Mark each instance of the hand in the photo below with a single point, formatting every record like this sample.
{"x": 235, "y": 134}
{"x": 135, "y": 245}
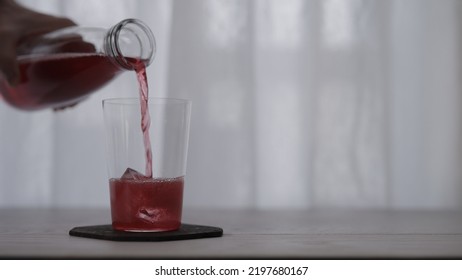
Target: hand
{"x": 17, "y": 24}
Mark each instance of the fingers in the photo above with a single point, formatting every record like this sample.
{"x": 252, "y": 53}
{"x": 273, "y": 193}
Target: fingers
{"x": 31, "y": 22}
{"x": 36, "y": 24}
{"x": 8, "y": 65}
{"x": 9, "y": 69}
{"x": 47, "y": 24}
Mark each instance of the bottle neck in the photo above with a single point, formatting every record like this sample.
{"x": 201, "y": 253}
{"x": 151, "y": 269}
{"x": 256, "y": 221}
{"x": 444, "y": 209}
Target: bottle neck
{"x": 129, "y": 42}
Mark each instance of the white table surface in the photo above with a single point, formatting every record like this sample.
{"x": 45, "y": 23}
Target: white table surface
{"x": 43, "y": 233}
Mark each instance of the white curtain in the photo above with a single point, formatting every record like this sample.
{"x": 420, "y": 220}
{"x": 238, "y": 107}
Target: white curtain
{"x": 296, "y": 104}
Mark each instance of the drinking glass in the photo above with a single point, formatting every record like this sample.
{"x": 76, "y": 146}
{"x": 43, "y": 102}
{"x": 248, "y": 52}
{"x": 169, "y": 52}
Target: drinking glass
{"x": 139, "y": 202}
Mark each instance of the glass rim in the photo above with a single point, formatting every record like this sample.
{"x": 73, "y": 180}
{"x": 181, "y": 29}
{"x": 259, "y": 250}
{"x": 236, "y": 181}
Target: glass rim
{"x": 136, "y": 100}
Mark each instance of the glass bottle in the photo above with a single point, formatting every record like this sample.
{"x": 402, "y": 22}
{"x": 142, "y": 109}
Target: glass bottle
{"x": 61, "y": 68}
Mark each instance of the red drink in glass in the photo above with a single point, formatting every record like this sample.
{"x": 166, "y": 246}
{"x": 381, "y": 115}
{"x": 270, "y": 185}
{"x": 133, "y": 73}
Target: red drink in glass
{"x": 146, "y": 204}
{"x": 141, "y": 202}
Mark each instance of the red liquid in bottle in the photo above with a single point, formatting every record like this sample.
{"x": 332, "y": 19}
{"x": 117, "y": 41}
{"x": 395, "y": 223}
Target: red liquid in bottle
{"x": 57, "y": 80}
{"x": 146, "y": 204}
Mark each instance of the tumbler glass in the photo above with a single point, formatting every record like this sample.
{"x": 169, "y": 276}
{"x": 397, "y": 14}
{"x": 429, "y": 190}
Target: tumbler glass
{"x": 140, "y": 202}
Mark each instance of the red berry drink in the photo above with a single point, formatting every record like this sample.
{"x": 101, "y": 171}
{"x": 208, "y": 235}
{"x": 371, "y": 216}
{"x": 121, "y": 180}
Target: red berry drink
{"x": 57, "y": 80}
{"x": 146, "y": 204}
{"x": 140, "y": 202}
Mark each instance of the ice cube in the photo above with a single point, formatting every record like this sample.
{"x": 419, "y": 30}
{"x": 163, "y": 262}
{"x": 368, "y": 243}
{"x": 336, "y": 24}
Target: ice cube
{"x": 133, "y": 174}
{"x": 151, "y": 215}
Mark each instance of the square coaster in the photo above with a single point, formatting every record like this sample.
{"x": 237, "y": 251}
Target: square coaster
{"x": 186, "y": 231}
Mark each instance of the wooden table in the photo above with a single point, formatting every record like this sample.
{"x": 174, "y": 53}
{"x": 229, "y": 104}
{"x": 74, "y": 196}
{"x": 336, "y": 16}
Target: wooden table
{"x": 43, "y": 233}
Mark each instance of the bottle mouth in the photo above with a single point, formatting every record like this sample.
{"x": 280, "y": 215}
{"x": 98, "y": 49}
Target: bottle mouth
{"x": 130, "y": 40}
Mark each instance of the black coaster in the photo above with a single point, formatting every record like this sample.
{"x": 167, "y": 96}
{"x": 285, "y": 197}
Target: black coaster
{"x": 186, "y": 231}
